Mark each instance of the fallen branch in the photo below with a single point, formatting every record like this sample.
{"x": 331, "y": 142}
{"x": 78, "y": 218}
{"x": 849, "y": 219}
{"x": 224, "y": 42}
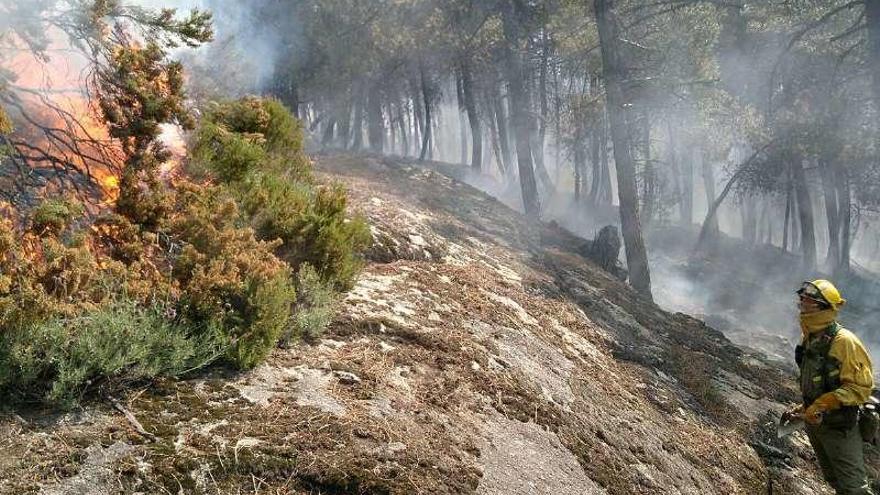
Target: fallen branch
{"x": 132, "y": 420}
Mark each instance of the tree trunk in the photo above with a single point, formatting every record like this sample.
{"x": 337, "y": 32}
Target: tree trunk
{"x": 684, "y": 178}
{"x": 832, "y": 216}
{"x": 595, "y": 145}
{"x": 327, "y": 139}
{"x": 392, "y": 128}
{"x": 844, "y": 198}
{"x": 503, "y": 134}
{"x": 872, "y": 20}
{"x": 649, "y": 179}
{"x": 418, "y": 116}
{"x": 519, "y": 108}
{"x": 495, "y": 141}
{"x": 805, "y": 213}
{"x": 375, "y": 121}
{"x": 462, "y": 128}
{"x": 606, "y": 193}
{"x": 470, "y": 103}
{"x": 750, "y": 220}
{"x": 708, "y": 172}
{"x": 540, "y": 131}
{"x": 612, "y": 67}
{"x": 426, "y": 126}
{"x": 404, "y": 133}
{"x": 580, "y": 159}
{"x": 357, "y": 126}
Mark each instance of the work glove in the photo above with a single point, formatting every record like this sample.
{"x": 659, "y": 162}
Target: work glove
{"x": 825, "y": 402}
{"x": 793, "y": 413}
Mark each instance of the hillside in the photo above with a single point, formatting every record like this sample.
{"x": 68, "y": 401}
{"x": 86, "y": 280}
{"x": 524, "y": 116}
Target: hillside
{"x": 476, "y": 354}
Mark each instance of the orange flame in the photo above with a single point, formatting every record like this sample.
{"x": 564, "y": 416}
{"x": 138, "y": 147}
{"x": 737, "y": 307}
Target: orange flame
{"x": 52, "y": 93}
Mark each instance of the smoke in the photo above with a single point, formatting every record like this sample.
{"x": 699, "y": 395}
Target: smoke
{"x": 245, "y": 52}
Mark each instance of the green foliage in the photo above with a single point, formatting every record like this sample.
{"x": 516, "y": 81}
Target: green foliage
{"x": 263, "y": 122}
{"x": 55, "y": 215}
{"x": 277, "y": 194}
{"x": 122, "y": 342}
{"x": 228, "y": 278}
{"x": 315, "y": 306}
{"x": 312, "y": 223}
{"x": 232, "y": 156}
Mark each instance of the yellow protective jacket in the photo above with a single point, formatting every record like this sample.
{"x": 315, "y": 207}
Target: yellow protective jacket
{"x": 856, "y": 369}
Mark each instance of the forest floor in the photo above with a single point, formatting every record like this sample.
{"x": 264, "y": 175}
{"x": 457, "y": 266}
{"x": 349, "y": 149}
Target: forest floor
{"x": 476, "y": 354}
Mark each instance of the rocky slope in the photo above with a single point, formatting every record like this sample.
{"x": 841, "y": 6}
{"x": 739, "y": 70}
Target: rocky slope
{"x": 477, "y": 354}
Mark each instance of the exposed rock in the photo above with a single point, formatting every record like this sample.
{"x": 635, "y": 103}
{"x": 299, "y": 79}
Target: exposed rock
{"x": 95, "y": 474}
{"x": 347, "y": 378}
{"x": 524, "y": 459}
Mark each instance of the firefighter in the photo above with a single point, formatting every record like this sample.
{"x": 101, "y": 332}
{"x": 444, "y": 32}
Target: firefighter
{"x": 836, "y": 377}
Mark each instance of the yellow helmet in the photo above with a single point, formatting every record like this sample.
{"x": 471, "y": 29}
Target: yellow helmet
{"x": 824, "y": 291}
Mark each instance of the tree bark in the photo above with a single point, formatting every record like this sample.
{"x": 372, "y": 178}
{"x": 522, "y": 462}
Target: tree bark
{"x": 470, "y": 103}
{"x": 595, "y": 145}
{"x": 462, "y": 128}
{"x": 357, "y": 126}
{"x": 649, "y": 179}
{"x": 519, "y": 107}
{"x": 805, "y": 213}
{"x": 540, "y": 127}
{"x": 327, "y": 138}
{"x": 708, "y": 172}
{"x": 501, "y": 120}
{"x": 392, "y": 128}
{"x": 606, "y": 192}
{"x": 580, "y": 159}
{"x": 427, "y": 131}
{"x": 872, "y": 20}
{"x": 495, "y": 142}
{"x": 613, "y": 70}
{"x": 844, "y": 198}
{"x": 832, "y": 215}
{"x": 418, "y": 116}
{"x": 684, "y": 173}
{"x": 404, "y": 134}
{"x": 375, "y": 121}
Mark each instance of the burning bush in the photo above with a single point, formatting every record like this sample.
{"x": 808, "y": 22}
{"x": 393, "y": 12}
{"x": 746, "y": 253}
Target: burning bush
{"x": 214, "y": 276}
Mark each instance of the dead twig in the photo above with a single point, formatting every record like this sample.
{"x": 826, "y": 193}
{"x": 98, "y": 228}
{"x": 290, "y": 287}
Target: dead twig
{"x": 132, "y": 420}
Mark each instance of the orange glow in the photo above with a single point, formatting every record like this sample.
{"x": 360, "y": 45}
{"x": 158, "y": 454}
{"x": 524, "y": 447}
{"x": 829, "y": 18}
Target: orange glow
{"x": 173, "y": 139}
{"x": 63, "y": 120}
{"x": 110, "y": 183}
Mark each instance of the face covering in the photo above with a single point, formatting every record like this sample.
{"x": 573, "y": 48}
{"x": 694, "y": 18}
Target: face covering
{"x": 817, "y": 320}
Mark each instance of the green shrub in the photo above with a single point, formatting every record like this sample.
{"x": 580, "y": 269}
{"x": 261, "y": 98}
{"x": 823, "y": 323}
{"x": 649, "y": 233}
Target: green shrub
{"x": 229, "y": 278}
{"x": 55, "y": 215}
{"x": 282, "y": 133}
{"x": 59, "y": 359}
{"x": 311, "y": 221}
{"x": 315, "y": 305}
{"x": 278, "y": 195}
{"x": 231, "y": 156}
